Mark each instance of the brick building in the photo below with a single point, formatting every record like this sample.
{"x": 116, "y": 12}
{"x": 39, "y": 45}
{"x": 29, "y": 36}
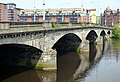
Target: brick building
{"x": 12, "y": 12}
{"x": 110, "y": 17}
{"x": 9, "y": 12}
{"x": 3, "y": 13}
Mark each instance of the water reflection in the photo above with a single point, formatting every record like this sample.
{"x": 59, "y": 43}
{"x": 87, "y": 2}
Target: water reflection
{"x": 67, "y": 64}
{"x": 26, "y": 76}
{"x": 107, "y": 70}
{"x": 88, "y": 61}
{"x": 46, "y": 76}
{"x": 97, "y": 65}
{"x": 73, "y": 66}
{"x": 92, "y": 51}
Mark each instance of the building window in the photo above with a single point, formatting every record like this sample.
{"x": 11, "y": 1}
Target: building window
{"x": 50, "y": 14}
{"x": 23, "y": 12}
{"x": 26, "y": 14}
{"x": 57, "y": 13}
{"x": 10, "y": 11}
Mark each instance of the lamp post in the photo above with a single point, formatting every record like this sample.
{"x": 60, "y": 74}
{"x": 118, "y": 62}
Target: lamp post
{"x": 105, "y": 19}
{"x": 43, "y": 10}
{"x": 34, "y": 12}
{"x": 62, "y": 15}
{"x": 112, "y": 20}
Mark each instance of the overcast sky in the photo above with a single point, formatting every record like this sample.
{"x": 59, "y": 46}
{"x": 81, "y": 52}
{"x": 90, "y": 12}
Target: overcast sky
{"x": 100, "y": 5}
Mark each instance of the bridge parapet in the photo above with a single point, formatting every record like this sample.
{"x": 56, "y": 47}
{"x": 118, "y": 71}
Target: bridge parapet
{"x": 4, "y": 25}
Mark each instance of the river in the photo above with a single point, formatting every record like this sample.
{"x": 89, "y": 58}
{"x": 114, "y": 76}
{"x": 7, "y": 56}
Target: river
{"x": 100, "y": 64}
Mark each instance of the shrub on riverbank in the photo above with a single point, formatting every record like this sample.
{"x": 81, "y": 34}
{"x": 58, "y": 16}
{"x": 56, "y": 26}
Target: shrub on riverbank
{"x": 116, "y": 32}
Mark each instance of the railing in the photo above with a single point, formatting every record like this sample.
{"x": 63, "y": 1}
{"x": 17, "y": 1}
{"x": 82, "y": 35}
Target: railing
{"x": 7, "y": 25}
{"x": 25, "y": 24}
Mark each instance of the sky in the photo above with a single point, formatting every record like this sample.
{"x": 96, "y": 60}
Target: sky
{"x": 100, "y": 5}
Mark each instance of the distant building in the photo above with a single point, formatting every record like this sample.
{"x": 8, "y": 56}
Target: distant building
{"x": 110, "y": 17}
{"x": 9, "y": 12}
{"x": 92, "y": 15}
{"x": 3, "y": 13}
{"x": 12, "y": 12}
{"x": 74, "y": 15}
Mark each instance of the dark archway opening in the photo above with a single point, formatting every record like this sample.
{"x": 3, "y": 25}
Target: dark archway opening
{"x": 102, "y": 33}
{"x": 68, "y": 43}
{"x": 92, "y": 36}
{"x": 17, "y": 58}
{"x": 108, "y": 32}
{"x": 68, "y": 59}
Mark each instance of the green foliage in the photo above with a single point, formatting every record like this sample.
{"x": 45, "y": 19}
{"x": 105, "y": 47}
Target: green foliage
{"x": 116, "y": 32}
{"x": 55, "y": 25}
{"x": 83, "y": 24}
{"x": 39, "y": 66}
{"x": 98, "y": 20}
{"x": 78, "y": 50}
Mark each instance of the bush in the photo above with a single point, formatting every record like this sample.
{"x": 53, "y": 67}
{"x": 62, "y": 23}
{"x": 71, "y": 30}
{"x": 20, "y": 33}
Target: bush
{"x": 116, "y": 32}
{"x": 55, "y": 25}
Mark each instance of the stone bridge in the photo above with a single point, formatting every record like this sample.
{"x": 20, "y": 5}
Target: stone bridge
{"x": 46, "y": 39}
{"x": 23, "y": 48}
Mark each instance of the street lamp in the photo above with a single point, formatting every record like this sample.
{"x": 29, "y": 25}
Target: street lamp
{"x": 43, "y": 10}
{"x": 34, "y": 12}
{"x": 105, "y": 19}
{"x": 62, "y": 15}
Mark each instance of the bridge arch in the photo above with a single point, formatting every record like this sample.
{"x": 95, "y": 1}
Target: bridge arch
{"x": 91, "y": 36}
{"x": 108, "y": 32}
{"x": 103, "y": 33}
{"x": 68, "y": 42}
{"x": 19, "y": 55}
